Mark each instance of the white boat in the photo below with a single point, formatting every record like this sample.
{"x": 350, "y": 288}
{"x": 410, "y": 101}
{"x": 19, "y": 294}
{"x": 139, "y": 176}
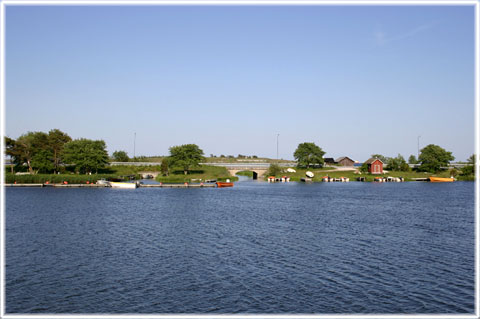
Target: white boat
{"x": 103, "y": 182}
{"x": 309, "y": 174}
{"x": 123, "y": 185}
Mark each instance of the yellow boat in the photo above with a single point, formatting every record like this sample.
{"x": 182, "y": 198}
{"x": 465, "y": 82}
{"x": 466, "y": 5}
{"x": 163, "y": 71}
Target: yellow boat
{"x": 441, "y": 179}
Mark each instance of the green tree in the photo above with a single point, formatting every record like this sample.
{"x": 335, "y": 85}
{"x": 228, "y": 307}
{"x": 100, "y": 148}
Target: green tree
{"x": 471, "y": 159}
{"x": 307, "y": 154}
{"x": 10, "y": 150}
{"x": 364, "y": 168}
{"x": 185, "y": 156}
{"x": 120, "y": 156}
{"x": 28, "y": 146}
{"x": 412, "y": 159}
{"x": 87, "y": 155}
{"x": 56, "y": 141}
{"x": 274, "y": 170}
{"x": 42, "y": 161}
{"x": 397, "y": 164}
{"x": 164, "y": 169}
{"x": 433, "y": 157}
{"x": 469, "y": 169}
{"x": 453, "y": 172}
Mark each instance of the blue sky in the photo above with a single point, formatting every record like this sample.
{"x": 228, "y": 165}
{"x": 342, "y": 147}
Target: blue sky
{"x": 355, "y": 80}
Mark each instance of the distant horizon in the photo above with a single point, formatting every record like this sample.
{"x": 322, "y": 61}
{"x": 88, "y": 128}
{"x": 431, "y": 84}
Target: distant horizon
{"x": 355, "y": 80}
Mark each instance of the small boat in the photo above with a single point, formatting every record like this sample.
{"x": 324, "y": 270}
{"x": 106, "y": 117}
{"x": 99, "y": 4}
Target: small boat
{"x": 309, "y": 174}
{"x": 441, "y": 179}
{"x": 103, "y": 182}
{"x": 123, "y": 185}
{"x": 224, "y": 184}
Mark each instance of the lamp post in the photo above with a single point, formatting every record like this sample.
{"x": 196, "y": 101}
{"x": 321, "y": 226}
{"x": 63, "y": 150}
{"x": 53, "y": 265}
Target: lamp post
{"x": 277, "y": 146}
{"x": 418, "y": 146}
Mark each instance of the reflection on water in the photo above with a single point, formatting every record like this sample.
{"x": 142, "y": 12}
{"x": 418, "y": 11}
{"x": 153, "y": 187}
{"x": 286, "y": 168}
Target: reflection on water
{"x": 253, "y": 248}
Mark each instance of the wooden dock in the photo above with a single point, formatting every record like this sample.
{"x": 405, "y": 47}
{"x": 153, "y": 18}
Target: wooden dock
{"x": 57, "y": 185}
{"x": 103, "y": 186}
{"x": 177, "y": 185}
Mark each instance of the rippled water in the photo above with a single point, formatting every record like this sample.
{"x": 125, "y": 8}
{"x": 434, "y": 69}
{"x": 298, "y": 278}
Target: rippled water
{"x": 253, "y": 248}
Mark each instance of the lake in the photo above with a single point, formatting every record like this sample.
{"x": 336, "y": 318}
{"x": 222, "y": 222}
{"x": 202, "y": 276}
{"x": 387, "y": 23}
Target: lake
{"x": 254, "y": 248}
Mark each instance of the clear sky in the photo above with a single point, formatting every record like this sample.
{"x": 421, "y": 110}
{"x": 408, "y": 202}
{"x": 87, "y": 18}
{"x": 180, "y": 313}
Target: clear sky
{"x": 355, "y": 80}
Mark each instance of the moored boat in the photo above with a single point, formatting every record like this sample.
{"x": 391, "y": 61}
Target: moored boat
{"x": 224, "y": 184}
{"x": 123, "y": 185}
{"x": 441, "y": 179}
{"x": 103, "y": 182}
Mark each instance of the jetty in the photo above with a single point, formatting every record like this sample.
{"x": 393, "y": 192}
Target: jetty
{"x": 183, "y": 185}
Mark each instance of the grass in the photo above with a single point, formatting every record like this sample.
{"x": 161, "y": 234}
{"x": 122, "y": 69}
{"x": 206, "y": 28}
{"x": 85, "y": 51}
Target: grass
{"x": 198, "y": 174}
{"x": 408, "y": 176}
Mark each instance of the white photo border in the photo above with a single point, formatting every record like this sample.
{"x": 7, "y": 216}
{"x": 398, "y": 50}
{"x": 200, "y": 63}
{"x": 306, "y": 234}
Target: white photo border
{"x": 5, "y": 3}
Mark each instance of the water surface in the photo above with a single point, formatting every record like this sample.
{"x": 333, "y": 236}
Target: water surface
{"x": 253, "y": 248}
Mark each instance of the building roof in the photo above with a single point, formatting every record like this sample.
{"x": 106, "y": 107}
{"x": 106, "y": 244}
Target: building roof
{"x": 342, "y": 158}
{"x": 329, "y": 159}
{"x": 373, "y": 159}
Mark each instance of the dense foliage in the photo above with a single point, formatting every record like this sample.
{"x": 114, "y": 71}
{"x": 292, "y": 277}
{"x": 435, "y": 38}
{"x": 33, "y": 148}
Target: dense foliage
{"x": 59, "y": 178}
{"x": 432, "y": 158}
{"x": 185, "y": 156}
{"x": 274, "y": 170}
{"x": 39, "y": 151}
{"x": 469, "y": 170}
{"x": 397, "y": 164}
{"x": 412, "y": 159}
{"x": 164, "y": 168}
{"x": 308, "y": 154}
{"x": 120, "y": 156}
{"x": 87, "y": 155}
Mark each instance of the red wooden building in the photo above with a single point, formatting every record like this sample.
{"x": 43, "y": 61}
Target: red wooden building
{"x": 375, "y": 166}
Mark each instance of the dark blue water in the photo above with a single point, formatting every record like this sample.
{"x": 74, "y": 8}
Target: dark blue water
{"x": 254, "y": 248}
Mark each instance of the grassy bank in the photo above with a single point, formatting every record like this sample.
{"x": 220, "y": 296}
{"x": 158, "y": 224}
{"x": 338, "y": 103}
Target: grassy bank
{"x": 408, "y": 176}
{"x": 198, "y": 174}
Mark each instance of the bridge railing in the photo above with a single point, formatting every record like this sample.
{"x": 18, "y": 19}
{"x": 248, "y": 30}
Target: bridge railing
{"x": 248, "y": 165}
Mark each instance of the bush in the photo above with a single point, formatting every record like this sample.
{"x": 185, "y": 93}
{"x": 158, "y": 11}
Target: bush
{"x": 57, "y": 178}
{"x": 274, "y": 170}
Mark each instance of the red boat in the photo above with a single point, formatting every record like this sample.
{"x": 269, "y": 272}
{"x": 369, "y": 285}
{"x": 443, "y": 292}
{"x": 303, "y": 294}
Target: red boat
{"x": 224, "y": 184}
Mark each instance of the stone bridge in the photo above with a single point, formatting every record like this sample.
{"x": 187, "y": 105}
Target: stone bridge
{"x": 145, "y": 174}
{"x": 258, "y": 169}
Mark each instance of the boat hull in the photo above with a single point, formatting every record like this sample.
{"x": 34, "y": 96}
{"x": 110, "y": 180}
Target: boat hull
{"x": 123, "y": 185}
{"x": 441, "y": 179}
{"x": 224, "y": 184}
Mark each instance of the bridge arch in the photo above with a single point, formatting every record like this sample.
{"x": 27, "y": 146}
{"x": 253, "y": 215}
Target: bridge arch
{"x": 256, "y": 172}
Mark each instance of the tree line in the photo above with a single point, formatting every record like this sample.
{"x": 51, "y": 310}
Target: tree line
{"x": 51, "y": 152}
{"x": 54, "y": 151}
{"x": 432, "y": 158}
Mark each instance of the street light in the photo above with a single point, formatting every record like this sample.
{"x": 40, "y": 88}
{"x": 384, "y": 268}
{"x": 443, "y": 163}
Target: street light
{"x": 418, "y": 146}
{"x": 277, "y": 146}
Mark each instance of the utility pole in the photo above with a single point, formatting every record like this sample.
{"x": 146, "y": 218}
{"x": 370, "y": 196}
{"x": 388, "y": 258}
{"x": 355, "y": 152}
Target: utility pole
{"x": 277, "y": 146}
{"x": 418, "y": 146}
{"x": 134, "y": 140}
